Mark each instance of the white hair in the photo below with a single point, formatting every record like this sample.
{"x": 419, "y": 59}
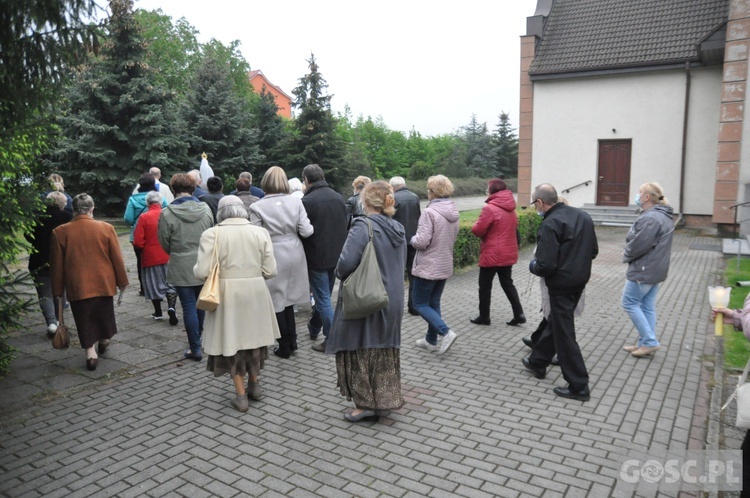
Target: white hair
{"x": 397, "y": 181}
{"x": 153, "y": 197}
{"x": 230, "y": 206}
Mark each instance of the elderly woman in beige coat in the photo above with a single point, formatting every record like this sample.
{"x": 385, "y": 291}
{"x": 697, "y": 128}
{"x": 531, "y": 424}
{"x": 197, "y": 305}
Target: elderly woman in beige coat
{"x": 238, "y": 333}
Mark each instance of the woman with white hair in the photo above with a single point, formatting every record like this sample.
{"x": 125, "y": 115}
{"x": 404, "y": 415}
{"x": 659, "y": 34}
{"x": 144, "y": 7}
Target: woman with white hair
{"x": 86, "y": 263}
{"x": 154, "y": 260}
{"x": 237, "y": 334}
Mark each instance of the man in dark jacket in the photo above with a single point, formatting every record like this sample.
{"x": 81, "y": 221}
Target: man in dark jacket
{"x": 408, "y": 211}
{"x": 327, "y": 213}
{"x": 565, "y": 249}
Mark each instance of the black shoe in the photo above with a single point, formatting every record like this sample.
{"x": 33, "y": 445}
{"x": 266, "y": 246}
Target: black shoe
{"x": 189, "y": 355}
{"x": 413, "y": 311}
{"x": 527, "y": 340}
{"x": 293, "y": 347}
{"x": 91, "y": 364}
{"x": 539, "y": 373}
{"x": 103, "y": 345}
{"x": 517, "y": 320}
{"x": 480, "y": 320}
{"x": 555, "y": 361}
{"x": 313, "y": 333}
{"x": 565, "y": 392}
{"x": 172, "y": 317}
{"x": 282, "y": 353}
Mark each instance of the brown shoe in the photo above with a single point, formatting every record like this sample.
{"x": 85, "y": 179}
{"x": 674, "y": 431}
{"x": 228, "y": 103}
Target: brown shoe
{"x": 103, "y": 345}
{"x": 630, "y": 349}
{"x": 644, "y": 351}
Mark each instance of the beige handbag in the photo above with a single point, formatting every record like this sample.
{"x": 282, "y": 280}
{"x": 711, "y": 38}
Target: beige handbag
{"x": 208, "y": 299}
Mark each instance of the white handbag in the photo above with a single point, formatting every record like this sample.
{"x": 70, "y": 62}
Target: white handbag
{"x": 742, "y": 393}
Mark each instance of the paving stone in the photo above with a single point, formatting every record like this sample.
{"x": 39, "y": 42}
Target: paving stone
{"x": 475, "y": 424}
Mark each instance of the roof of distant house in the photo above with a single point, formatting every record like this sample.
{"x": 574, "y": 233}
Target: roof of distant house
{"x": 587, "y": 35}
{"x": 256, "y": 72}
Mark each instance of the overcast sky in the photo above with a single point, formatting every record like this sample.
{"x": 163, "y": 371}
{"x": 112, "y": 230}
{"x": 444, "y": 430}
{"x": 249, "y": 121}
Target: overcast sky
{"x": 422, "y": 64}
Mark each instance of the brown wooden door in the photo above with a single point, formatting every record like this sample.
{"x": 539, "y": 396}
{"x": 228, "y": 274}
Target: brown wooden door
{"x": 614, "y": 173}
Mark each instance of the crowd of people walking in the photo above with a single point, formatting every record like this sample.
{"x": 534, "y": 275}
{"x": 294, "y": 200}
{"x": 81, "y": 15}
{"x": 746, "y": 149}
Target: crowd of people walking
{"x": 286, "y": 243}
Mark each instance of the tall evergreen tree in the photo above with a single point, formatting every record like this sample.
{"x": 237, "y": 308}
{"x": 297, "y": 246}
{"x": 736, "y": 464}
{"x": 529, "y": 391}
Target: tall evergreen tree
{"x": 480, "y": 153}
{"x": 506, "y": 147}
{"x": 271, "y": 129}
{"x": 314, "y": 138}
{"x": 217, "y": 122}
{"x": 39, "y": 41}
{"x": 120, "y": 122}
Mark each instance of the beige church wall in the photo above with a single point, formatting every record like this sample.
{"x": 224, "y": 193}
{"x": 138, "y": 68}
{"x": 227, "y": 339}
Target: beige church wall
{"x": 572, "y": 115}
{"x": 703, "y": 132}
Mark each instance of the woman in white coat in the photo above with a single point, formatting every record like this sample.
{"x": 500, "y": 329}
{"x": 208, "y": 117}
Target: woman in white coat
{"x": 285, "y": 218}
{"x": 237, "y": 335}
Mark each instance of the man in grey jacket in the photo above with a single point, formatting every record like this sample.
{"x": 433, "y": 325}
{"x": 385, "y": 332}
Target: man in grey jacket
{"x": 648, "y": 246}
{"x": 408, "y": 211}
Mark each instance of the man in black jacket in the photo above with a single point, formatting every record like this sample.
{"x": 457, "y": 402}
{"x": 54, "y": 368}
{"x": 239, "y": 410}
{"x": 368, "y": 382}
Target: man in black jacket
{"x": 327, "y": 213}
{"x": 408, "y": 211}
{"x": 566, "y": 247}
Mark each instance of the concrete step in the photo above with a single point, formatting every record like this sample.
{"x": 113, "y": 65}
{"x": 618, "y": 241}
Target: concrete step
{"x": 612, "y": 215}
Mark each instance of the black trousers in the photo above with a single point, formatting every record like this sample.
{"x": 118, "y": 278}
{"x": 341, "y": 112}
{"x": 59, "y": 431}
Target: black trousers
{"x": 138, "y": 252}
{"x": 288, "y": 329}
{"x": 505, "y": 275}
{"x": 560, "y": 336}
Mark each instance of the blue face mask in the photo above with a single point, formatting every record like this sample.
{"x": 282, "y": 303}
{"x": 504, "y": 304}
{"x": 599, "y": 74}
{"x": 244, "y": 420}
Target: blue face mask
{"x": 540, "y": 213}
{"x": 638, "y": 200}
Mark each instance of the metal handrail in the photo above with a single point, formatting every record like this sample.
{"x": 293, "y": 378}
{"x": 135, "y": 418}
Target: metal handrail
{"x": 736, "y": 224}
{"x": 567, "y": 190}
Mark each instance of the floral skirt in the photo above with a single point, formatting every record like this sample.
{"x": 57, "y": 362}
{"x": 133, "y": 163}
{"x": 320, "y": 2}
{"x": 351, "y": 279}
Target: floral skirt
{"x": 246, "y": 361}
{"x": 371, "y": 378}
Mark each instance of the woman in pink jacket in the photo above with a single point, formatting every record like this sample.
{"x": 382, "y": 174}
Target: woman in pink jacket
{"x": 433, "y": 262}
{"x": 497, "y": 228}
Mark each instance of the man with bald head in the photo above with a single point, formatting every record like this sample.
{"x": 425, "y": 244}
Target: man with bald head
{"x": 566, "y": 247}
{"x": 162, "y": 188}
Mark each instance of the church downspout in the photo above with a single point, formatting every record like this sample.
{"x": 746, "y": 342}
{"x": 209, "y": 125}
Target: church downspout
{"x": 685, "y": 119}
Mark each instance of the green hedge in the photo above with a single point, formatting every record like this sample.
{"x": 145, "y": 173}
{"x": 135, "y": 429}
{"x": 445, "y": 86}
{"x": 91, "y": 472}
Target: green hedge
{"x": 466, "y": 249}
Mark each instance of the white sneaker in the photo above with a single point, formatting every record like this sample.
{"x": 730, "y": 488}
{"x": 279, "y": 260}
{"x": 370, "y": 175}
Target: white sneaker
{"x": 422, "y": 343}
{"x": 447, "y": 341}
{"x": 52, "y": 328}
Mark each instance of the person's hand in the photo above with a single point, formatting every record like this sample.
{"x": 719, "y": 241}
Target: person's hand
{"x": 726, "y": 312}
{"x": 122, "y": 288}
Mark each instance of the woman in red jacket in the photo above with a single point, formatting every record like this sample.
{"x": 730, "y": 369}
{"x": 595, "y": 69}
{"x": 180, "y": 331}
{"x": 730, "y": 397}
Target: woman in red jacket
{"x": 497, "y": 228}
{"x": 154, "y": 259}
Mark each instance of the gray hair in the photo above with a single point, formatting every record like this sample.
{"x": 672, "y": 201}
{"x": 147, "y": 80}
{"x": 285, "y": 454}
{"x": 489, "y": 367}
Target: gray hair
{"x": 546, "y": 193}
{"x": 397, "y": 181}
{"x": 83, "y": 204}
{"x": 153, "y": 197}
{"x": 58, "y": 199}
{"x": 230, "y": 206}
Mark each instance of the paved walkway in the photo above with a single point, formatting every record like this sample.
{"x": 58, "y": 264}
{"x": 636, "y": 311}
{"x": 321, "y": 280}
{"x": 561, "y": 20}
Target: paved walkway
{"x": 476, "y": 424}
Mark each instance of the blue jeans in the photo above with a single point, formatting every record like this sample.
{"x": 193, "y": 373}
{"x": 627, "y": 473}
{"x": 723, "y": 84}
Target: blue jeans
{"x": 192, "y": 316}
{"x": 639, "y": 302}
{"x": 321, "y": 285}
{"x": 426, "y": 296}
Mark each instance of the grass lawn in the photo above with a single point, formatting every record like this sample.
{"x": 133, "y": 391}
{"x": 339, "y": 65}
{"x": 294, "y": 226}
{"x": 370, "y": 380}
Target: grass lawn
{"x": 469, "y": 216}
{"x": 736, "y": 347}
